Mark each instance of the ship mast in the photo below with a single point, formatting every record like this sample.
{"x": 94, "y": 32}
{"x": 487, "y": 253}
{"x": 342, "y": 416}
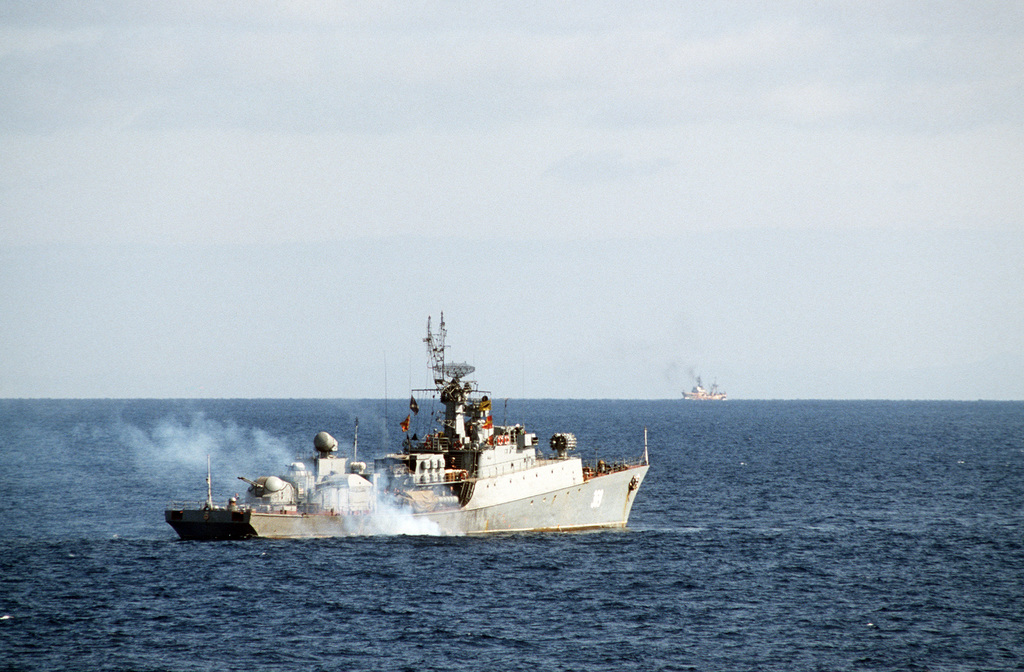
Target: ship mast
{"x": 435, "y": 351}
{"x": 448, "y": 382}
{"x": 209, "y": 485}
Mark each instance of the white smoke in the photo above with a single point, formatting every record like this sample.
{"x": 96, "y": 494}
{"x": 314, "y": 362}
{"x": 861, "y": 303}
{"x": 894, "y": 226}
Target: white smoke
{"x": 173, "y": 452}
{"x": 172, "y": 456}
{"x": 394, "y": 520}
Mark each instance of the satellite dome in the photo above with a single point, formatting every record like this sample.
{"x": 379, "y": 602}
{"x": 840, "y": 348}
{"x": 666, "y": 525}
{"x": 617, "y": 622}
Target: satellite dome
{"x": 273, "y": 484}
{"x": 325, "y": 443}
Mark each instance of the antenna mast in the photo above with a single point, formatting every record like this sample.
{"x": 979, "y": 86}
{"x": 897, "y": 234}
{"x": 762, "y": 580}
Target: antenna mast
{"x": 435, "y": 350}
{"x": 209, "y": 485}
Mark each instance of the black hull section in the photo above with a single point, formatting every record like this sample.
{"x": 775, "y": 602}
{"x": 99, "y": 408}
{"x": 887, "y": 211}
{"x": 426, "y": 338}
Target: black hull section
{"x": 212, "y": 525}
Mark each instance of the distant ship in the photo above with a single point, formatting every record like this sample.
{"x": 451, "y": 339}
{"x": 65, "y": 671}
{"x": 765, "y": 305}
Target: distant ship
{"x": 468, "y": 475}
{"x": 699, "y": 393}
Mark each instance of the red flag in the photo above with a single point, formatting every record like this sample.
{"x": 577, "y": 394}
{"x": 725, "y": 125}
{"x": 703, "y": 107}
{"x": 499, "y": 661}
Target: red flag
{"x": 405, "y": 423}
{"x": 489, "y": 423}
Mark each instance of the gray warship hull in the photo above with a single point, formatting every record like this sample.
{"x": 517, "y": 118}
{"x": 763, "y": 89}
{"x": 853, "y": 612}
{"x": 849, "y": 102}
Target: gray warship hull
{"x": 602, "y": 502}
{"x": 466, "y": 475}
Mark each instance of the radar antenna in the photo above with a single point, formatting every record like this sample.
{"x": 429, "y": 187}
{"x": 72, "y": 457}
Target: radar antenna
{"x": 435, "y": 352}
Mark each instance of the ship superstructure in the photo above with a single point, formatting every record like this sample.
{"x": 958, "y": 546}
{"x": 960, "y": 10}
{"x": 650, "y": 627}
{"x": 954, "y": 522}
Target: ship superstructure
{"x": 466, "y": 476}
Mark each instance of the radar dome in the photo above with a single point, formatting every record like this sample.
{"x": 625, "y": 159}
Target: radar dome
{"x": 273, "y": 484}
{"x": 325, "y": 443}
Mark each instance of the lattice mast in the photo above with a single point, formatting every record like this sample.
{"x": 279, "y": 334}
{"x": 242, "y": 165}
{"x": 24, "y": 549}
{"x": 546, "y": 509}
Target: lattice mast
{"x": 448, "y": 379}
{"x": 435, "y": 351}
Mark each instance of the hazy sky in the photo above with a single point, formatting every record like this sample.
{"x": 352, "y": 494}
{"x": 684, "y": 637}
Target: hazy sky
{"x": 246, "y": 199}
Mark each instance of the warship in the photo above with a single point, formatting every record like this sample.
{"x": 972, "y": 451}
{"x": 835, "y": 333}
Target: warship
{"x": 699, "y": 393}
{"x": 467, "y": 475}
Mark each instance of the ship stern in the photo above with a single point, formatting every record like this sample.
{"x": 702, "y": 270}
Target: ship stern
{"x": 210, "y": 524}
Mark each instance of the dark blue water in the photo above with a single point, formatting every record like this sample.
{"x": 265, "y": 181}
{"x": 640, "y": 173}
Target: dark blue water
{"x": 767, "y": 536}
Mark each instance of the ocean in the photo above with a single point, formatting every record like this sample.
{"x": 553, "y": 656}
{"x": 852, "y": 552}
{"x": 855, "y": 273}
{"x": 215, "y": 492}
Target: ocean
{"x": 768, "y": 535}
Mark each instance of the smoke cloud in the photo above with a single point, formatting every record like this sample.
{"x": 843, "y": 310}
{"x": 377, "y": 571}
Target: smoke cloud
{"x": 172, "y": 456}
{"x": 674, "y": 372}
{"x": 174, "y": 453}
{"x": 392, "y": 520}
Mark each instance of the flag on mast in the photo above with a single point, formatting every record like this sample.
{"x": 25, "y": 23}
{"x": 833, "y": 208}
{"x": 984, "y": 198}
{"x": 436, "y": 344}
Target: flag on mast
{"x": 405, "y": 423}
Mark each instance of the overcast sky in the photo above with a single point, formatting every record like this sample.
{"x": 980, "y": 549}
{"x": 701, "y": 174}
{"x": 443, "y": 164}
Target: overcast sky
{"x": 246, "y": 199}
